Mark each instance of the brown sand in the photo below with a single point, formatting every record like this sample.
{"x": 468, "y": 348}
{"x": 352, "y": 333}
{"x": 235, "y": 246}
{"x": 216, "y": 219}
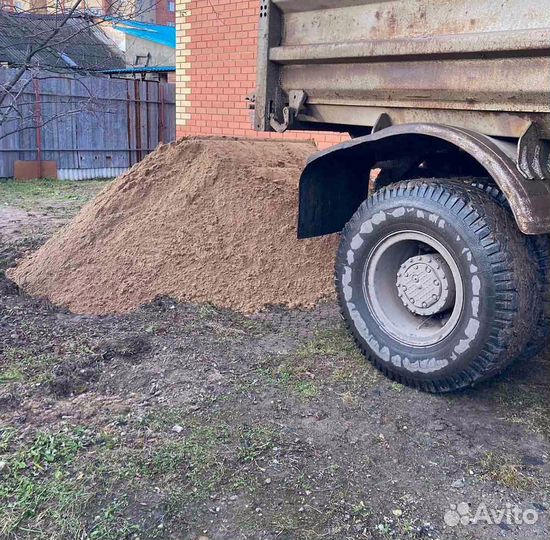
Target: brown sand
{"x": 201, "y": 220}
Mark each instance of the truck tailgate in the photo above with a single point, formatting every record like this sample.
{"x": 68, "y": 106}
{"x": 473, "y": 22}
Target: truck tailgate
{"x": 481, "y": 64}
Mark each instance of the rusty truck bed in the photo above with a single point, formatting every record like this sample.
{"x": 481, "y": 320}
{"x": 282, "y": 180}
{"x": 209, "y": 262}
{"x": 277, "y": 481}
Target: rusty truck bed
{"x": 483, "y": 65}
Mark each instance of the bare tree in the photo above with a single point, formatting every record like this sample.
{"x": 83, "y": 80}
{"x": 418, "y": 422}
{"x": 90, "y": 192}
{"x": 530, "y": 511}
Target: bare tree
{"x": 34, "y": 49}
{"x": 59, "y": 37}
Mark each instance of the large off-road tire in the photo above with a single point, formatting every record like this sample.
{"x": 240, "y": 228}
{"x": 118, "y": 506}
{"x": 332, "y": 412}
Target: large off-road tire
{"x": 539, "y": 246}
{"x": 437, "y": 284}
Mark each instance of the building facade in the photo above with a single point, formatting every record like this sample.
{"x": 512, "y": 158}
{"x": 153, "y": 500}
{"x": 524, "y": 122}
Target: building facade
{"x": 216, "y": 69}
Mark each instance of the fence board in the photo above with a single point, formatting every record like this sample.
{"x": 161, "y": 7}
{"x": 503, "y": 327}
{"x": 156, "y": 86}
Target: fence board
{"x": 86, "y": 124}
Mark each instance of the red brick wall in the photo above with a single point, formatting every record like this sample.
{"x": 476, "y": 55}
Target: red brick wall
{"x": 221, "y": 44}
{"x": 163, "y": 15}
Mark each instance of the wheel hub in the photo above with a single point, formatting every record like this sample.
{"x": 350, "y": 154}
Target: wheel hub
{"x": 425, "y": 285}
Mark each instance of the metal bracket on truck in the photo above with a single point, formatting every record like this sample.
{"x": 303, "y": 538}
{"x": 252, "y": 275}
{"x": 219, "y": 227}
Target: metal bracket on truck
{"x": 296, "y": 101}
{"x": 534, "y": 154}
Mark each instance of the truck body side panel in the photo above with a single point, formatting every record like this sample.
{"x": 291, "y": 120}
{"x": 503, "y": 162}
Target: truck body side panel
{"x": 482, "y": 65}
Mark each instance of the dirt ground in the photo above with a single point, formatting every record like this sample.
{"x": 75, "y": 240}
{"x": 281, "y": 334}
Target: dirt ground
{"x": 190, "y": 422}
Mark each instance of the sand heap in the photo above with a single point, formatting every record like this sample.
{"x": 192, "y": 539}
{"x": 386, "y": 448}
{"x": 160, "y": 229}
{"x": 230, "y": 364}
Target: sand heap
{"x": 201, "y": 220}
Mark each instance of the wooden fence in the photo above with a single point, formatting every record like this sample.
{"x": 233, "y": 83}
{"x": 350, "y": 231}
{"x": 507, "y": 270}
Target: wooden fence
{"x": 91, "y": 127}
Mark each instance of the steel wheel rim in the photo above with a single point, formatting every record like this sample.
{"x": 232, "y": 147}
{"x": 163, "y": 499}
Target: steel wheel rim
{"x": 382, "y": 294}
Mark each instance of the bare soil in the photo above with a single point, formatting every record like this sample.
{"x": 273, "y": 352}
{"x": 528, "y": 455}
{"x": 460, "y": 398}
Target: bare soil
{"x": 184, "y": 421}
{"x": 200, "y": 220}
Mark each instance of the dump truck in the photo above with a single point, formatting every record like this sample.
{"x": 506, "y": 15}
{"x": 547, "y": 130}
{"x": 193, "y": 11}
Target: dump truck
{"x": 441, "y": 188}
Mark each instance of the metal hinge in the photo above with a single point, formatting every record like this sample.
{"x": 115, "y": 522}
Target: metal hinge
{"x": 251, "y": 101}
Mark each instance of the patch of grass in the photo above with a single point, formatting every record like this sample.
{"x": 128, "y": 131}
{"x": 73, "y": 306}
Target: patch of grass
{"x": 342, "y": 356}
{"x": 331, "y": 350}
{"x": 37, "y": 194}
{"x": 112, "y": 524}
{"x": 47, "y": 487}
{"x": 227, "y": 325}
{"x": 9, "y": 375}
{"x": 360, "y": 511}
{"x": 306, "y": 389}
{"x": 402, "y": 528}
{"x": 202, "y": 461}
{"x": 295, "y": 378}
{"x": 207, "y": 312}
{"x": 195, "y": 460}
{"x": 332, "y": 343}
{"x": 35, "y": 485}
{"x": 243, "y": 481}
{"x": 397, "y": 387}
{"x": 162, "y": 419}
{"x": 7, "y": 436}
{"x": 349, "y": 399}
{"x": 525, "y": 404}
{"x": 505, "y": 472}
{"x": 24, "y": 365}
{"x": 255, "y": 442}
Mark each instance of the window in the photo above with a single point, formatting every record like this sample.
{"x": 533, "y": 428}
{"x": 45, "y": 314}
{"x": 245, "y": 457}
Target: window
{"x": 171, "y": 7}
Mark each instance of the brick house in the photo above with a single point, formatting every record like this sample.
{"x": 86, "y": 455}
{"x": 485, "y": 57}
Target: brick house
{"x": 216, "y": 69}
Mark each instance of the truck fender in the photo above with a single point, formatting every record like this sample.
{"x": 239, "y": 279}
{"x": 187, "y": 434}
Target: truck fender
{"x": 336, "y": 181}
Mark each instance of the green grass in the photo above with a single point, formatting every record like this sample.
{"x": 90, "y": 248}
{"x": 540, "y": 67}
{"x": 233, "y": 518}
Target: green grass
{"x": 333, "y": 343}
{"x": 256, "y": 441}
{"x": 26, "y": 366}
{"x": 10, "y": 374}
{"x": 35, "y": 485}
{"x": 41, "y": 194}
{"x": 111, "y": 523}
{"x": 331, "y": 356}
{"x": 523, "y": 403}
{"x": 48, "y": 489}
{"x": 504, "y": 471}
{"x": 193, "y": 459}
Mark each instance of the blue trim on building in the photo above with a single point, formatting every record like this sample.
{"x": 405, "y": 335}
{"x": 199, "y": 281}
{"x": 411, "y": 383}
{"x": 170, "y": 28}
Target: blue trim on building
{"x": 163, "y": 35}
{"x": 144, "y": 69}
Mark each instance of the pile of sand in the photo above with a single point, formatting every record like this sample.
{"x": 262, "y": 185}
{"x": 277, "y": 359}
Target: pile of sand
{"x": 201, "y": 220}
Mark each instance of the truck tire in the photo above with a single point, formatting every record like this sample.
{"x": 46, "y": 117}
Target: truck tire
{"x": 437, "y": 284}
{"x": 539, "y": 246}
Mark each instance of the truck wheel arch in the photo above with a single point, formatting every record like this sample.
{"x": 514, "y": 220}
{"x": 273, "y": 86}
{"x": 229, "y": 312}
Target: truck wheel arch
{"x": 336, "y": 181}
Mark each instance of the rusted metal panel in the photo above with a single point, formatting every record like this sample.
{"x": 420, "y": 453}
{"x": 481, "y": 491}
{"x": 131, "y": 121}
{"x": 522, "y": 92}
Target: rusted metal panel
{"x": 482, "y": 65}
{"x": 439, "y": 46}
{"x": 29, "y": 170}
{"x": 333, "y": 21}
